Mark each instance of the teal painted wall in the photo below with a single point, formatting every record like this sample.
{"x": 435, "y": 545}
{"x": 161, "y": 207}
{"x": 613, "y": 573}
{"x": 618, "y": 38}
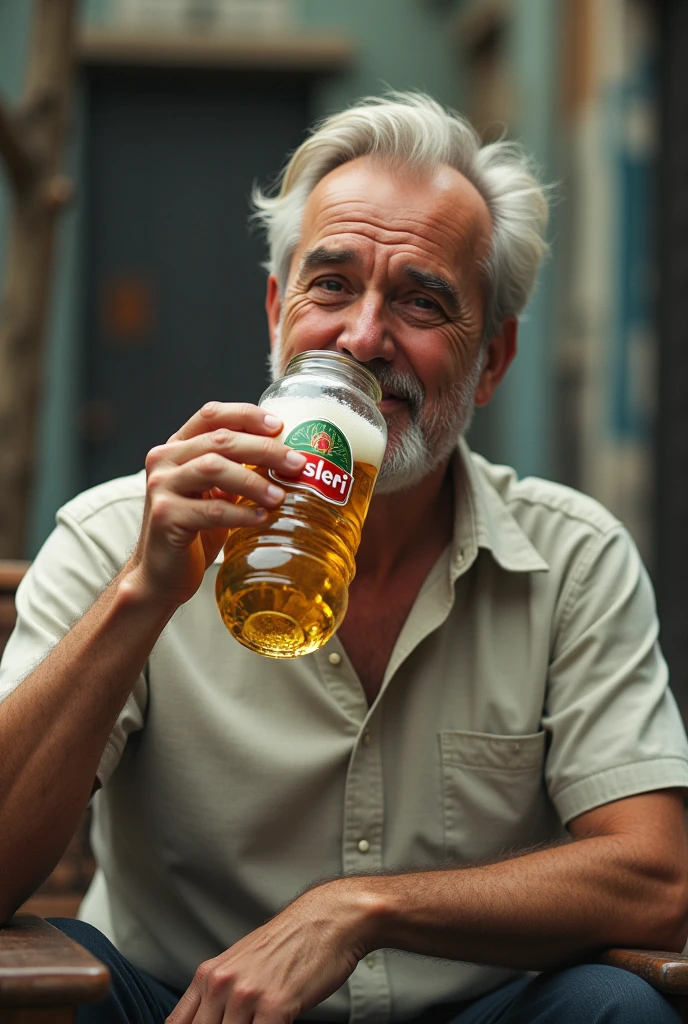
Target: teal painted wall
{"x": 524, "y": 411}
{"x": 516, "y": 428}
{"x": 402, "y": 44}
{"x": 524, "y": 414}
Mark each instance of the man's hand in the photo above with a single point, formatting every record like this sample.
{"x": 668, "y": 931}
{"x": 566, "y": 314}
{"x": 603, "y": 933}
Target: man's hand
{"x": 192, "y": 485}
{"x": 282, "y": 969}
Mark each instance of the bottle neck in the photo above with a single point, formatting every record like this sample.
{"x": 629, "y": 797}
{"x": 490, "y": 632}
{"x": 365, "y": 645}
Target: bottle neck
{"x": 339, "y": 366}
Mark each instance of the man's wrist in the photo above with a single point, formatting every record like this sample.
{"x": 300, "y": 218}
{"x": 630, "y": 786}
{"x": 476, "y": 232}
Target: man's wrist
{"x": 361, "y": 909}
{"x": 133, "y": 591}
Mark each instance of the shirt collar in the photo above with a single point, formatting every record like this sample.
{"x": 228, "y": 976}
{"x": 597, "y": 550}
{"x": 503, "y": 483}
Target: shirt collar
{"x": 482, "y": 520}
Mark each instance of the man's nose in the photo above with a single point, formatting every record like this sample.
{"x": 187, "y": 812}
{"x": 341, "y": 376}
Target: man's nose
{"x": 366, "y": 334}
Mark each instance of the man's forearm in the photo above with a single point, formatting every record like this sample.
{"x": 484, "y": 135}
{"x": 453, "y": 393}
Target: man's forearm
{"x": 54, "y": 727}
{"x": 532, "y": 912}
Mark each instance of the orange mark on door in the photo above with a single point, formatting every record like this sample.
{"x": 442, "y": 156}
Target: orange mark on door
{"x": 128, "y": 311}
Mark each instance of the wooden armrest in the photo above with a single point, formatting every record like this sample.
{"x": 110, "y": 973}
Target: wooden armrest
{"x": 39, "y": 966}
{"x": 667, "y": 972}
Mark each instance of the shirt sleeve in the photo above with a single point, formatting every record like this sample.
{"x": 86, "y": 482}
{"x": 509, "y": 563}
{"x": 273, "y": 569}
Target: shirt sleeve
{"x": 70, "y": 571}
{"x": 614, "y": 727}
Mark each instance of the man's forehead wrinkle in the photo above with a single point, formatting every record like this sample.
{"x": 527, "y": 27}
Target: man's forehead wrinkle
{"x": 442, "y": 181}
{"x": 354, "y": 234}
{"x": 461, "y": 232}
{"x": 453, "y": 196}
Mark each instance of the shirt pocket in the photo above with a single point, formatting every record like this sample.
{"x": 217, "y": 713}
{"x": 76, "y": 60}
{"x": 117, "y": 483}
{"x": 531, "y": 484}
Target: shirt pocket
{"x": 494, "y": 800}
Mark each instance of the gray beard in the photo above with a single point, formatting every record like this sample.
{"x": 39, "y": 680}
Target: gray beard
{"x": 418, "y": 448}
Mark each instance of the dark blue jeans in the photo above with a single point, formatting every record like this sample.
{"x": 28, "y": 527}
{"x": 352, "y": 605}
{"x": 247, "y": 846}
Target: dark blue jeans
{"x": 589, "y": 994}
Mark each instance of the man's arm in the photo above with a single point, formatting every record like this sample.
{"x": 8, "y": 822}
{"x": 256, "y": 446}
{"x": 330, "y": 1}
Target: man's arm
{"x": 623, "y": 880}
{"x": 54, "y": 726}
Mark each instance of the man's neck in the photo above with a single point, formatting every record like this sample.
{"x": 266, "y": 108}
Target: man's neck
{"x": 400, "y": 525}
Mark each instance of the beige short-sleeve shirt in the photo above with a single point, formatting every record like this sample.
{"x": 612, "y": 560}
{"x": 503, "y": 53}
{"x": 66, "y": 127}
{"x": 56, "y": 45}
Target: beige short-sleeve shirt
{"x": 526, "y": 687}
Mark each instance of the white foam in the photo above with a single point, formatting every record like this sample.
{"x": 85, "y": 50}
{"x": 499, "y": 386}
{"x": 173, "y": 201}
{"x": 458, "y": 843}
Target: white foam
{"x": 367, "y": 442}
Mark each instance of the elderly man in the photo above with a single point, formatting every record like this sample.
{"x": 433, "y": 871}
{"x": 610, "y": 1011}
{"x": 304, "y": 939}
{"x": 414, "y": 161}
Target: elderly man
{"x": 483, "y": 768}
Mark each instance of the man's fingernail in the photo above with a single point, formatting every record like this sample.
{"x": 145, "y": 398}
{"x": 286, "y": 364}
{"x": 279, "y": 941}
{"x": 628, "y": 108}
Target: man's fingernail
{"x": 275, "y": 493}
{"x": 271, "y": 421}
{"x": 295, "y": 459}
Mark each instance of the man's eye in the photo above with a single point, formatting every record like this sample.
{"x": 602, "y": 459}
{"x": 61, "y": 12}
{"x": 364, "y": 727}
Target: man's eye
{"x": 420, "y": 302}
{"x": 330, "y": 284}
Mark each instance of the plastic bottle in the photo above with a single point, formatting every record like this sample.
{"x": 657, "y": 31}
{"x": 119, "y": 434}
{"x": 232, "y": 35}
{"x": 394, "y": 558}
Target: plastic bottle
{"x": 283, "y": 587}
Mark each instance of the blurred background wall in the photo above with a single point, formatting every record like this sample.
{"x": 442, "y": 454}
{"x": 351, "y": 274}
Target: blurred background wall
{"x": 181, "y": 104}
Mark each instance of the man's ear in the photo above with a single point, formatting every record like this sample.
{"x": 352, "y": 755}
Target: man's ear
{"x": 499, "y": 355}
{"x": 273, "y": 307}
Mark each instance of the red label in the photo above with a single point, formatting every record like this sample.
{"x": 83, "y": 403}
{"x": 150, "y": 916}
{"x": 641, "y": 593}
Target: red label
{"x": 321, "y": 476}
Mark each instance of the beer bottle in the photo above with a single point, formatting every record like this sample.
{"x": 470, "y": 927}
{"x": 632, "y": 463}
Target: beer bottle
{"x": 282, "y": 589}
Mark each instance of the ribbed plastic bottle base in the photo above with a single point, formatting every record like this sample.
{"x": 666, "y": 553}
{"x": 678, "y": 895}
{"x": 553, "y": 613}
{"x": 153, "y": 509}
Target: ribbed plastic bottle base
{"x": 273, "y": 633}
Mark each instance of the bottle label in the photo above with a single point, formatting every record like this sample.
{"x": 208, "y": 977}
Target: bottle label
{"x": 329, "y": 469}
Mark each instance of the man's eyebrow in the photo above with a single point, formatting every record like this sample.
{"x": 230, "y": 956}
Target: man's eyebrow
{"x": 435, "y": 283}
{"x": 322, "y": 257}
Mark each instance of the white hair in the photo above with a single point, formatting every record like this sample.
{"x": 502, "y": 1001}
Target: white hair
{"x": 412, "y": 131}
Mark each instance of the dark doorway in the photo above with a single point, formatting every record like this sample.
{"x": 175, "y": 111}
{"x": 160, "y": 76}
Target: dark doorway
{"x": 175, "y": 291}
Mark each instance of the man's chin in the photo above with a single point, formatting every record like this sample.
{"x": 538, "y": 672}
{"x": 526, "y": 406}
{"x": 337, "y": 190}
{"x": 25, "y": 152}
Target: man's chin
{"x": 399, "y": 482}
{"x": 404, "y": 465}
{"x": 410, "y": 458}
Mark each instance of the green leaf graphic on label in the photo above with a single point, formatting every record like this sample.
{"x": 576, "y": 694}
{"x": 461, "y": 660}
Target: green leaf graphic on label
{"x": 323, "y": 438}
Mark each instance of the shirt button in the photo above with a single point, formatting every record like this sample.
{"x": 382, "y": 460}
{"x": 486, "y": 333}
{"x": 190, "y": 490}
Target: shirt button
{"x": 334, "y": 658}
{"x": 363, "y": 845}
{"x": 366, "y": 738}
{"x": 370, "y": 961}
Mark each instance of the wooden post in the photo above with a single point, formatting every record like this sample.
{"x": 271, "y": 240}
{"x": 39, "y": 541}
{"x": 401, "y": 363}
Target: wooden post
{"x": 30, "y": 143}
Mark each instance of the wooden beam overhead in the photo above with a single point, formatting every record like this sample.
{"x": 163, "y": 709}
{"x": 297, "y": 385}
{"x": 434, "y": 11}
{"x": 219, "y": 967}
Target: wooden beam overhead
{"x": 302, "y": 53}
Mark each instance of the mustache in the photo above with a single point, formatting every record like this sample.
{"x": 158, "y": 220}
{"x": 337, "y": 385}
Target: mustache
{"x": 404, "y": 385}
